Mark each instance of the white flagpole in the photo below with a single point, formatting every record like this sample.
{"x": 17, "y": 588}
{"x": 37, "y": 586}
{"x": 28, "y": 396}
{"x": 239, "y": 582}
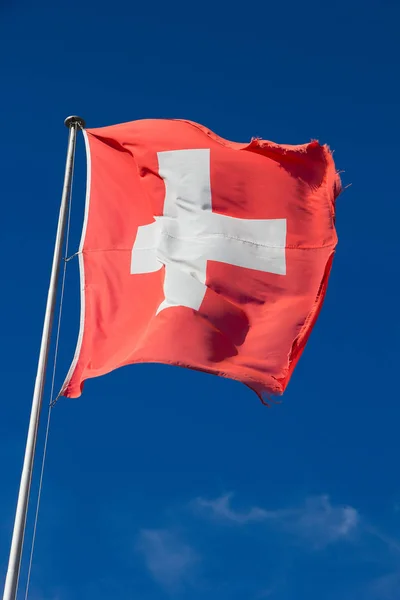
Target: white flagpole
{"x": 14, "y": 563}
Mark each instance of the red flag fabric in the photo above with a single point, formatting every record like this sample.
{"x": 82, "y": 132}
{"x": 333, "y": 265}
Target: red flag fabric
{"x": 201, "y": 252}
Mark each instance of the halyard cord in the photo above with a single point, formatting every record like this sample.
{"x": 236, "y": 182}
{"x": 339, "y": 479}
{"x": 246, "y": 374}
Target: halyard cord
{"x": 66, "y": 260}
{"x": 52, "y": 402}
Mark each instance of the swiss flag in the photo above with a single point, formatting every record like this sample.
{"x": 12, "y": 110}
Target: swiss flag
{"x": 201, "y": 252}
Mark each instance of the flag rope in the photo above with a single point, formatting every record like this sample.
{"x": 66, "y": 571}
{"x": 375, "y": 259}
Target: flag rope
{"x": 52, "y": 403}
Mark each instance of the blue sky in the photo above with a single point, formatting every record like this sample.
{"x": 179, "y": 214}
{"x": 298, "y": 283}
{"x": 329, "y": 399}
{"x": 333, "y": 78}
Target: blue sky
{"x": 163, "y": 483}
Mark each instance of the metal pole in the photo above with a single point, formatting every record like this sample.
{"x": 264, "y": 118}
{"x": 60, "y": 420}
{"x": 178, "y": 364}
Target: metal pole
{"x": 14, "y": 563}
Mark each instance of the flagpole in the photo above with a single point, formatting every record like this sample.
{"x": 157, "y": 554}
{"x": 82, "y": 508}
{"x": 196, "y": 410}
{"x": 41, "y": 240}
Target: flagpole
{"x": 14, "y": 563}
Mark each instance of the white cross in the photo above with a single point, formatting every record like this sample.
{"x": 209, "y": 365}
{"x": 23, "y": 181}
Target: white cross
{"x": 189, "y": 233}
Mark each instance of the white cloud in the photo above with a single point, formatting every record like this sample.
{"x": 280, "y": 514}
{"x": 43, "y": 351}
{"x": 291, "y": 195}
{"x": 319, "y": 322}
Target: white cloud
{"x": 388, "y": 541}
{"x": 169, "y": 560}
{"x": 322, "y": 522}
{"x": 385, "y": 588}
{"x": 220, "y": 508}
{"x": 318, "y": 520}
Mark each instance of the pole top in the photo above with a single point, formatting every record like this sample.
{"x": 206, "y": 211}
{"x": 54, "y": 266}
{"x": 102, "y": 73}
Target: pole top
{"x": 74, "y": 120}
